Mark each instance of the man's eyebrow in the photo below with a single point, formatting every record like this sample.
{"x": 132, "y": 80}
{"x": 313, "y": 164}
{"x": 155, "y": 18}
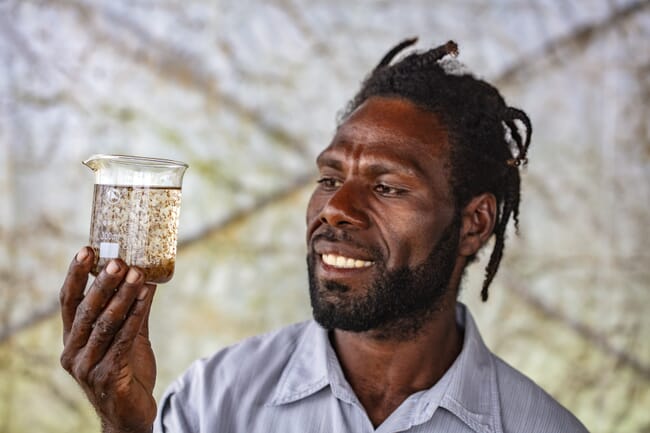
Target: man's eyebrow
{"x": 325, "y": 160}
{"x": 374, "y": 169}
{"x": 388, "y": 168}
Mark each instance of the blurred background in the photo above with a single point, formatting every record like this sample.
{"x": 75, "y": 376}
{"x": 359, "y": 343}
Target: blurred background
{"x": 247, "y": 92}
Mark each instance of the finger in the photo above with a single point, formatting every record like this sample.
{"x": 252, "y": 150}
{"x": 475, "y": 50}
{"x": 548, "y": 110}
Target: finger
{"x": 100, "y": 292}
{"x": 119, "y": 357}
{"x": 144, "y": 329}
{"x": 110, "y": 321}
{"x": 73, "y": 287}
{"x": 134, "y": 322}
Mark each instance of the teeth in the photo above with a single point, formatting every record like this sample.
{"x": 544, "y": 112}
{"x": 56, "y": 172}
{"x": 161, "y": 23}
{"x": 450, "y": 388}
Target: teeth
{"x": 344, "y": 262}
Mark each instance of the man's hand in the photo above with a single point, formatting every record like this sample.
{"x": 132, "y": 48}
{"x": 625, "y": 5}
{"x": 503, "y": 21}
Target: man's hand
{"x": 106, "y": 342}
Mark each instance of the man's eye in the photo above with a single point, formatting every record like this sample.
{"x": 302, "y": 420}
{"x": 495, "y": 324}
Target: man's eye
{"x": 329, "y": 182}
{"x": 388, "y": 190}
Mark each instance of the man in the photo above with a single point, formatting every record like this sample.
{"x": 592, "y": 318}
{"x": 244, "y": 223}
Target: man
{"x": 423, "y": 170}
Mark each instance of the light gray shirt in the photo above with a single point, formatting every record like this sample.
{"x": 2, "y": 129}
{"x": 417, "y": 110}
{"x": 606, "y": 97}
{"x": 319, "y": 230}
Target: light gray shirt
{"x": 290, "y": 381}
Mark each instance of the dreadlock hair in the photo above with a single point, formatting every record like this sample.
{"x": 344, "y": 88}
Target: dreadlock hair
{"x": 487, "y": 146}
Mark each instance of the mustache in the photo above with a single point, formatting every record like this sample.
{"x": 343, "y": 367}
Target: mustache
{"x": 336, "y": 235}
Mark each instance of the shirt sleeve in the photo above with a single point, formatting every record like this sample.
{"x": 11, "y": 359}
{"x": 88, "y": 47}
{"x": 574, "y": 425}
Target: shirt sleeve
{"x": 175, "y": 414}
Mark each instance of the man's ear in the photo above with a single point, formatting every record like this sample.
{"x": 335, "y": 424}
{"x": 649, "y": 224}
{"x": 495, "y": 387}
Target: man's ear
{"x": 477, "y": 223}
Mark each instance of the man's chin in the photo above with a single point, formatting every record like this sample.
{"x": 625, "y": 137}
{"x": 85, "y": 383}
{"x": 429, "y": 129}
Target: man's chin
{"x": 331, "y": 321}
{"x": 334, "y": 308}
{"x": 399, "y": 329}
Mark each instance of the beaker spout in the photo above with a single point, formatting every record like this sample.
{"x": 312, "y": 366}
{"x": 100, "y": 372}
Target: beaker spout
{"x": 92, "y": 162}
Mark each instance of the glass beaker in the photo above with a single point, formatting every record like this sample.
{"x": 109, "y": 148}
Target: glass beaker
{"x": 136, "y": 207}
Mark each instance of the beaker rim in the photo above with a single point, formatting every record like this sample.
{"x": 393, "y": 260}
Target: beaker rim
{"x": 137, "y": 160}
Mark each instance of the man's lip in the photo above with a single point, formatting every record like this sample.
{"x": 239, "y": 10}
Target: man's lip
{"x": 343, "y": 262}
{"x": 338, "y": 256}
{"x": 339, "y": 249}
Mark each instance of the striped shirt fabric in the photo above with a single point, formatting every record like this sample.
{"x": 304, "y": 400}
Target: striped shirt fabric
{"x": 290, "y": 381}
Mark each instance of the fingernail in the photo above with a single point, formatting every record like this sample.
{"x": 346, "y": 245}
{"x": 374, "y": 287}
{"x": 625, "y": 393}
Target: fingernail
{"x": 132, "y": 276}
{"x": 113, "y": 267}
{"x": 81, "y": 255}
{"x": 143, "y": 293}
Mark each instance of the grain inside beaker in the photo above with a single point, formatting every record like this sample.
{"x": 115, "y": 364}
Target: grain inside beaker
{"x": 138, "y": 225}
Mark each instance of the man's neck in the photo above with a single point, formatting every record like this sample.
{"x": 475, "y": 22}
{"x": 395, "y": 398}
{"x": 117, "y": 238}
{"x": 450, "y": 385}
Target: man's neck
{"x": 383, "y": 372}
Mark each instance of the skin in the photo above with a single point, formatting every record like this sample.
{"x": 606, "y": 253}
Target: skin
{"x": 384, "y": 182}
{"x": 106, "y": 342}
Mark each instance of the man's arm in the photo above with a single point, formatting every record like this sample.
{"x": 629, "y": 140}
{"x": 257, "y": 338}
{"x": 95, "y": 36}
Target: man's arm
{"x": 106, "y": 342}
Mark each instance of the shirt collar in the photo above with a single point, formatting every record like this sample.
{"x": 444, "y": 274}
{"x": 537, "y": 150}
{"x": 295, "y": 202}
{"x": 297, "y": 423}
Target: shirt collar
{"x": 468, "y": 389}
{"x": 473, "y": 394}
{"x": 306, "y": 371}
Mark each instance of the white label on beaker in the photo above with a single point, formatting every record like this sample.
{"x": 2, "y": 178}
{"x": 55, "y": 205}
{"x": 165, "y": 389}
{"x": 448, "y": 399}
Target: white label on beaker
{"x": 109, "y": 250}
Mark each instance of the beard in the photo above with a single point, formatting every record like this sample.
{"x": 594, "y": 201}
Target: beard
{"x": 397, "y": 303}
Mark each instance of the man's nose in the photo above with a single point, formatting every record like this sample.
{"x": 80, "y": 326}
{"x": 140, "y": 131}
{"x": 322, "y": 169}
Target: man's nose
{"x": 346, "y": 207}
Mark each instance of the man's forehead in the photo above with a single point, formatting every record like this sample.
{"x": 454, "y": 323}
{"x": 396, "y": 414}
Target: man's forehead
{"x": 378, "y": 158}
{"x": 391, "y": 127}
{"x": 376, "y": 147}
{"x": 400, "y": 135}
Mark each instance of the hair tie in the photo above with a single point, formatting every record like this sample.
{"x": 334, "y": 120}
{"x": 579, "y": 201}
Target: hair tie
{"x": 516, "y": 162}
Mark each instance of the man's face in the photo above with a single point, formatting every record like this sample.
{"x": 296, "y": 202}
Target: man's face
{"x": 381, "y": 233}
